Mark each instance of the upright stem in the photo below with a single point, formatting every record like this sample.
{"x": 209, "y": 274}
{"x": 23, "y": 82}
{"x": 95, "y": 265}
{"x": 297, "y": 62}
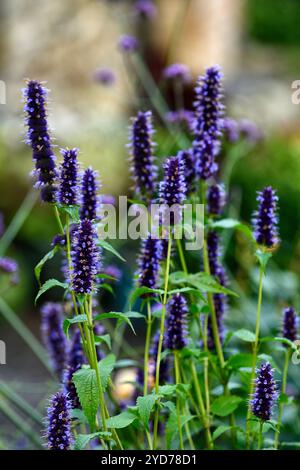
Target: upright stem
{"x": 178, "y": 400}
{"x": 161, "y": 337}
{"x": 254, "y": 355}
{"x": 181, "y": 256}
{"x": 259, "y": 440}
{"x": 147, "y": 347}
{"x": 283, "y": 390}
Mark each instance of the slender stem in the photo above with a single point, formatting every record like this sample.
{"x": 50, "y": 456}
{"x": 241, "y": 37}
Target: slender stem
{"x": 254, "y": 355}
{"x": 206, "y": 383}
{"x": 259, "y": 440}
{"x": 205, "y": 419}
{"x": 181, "y": 256}
{"x": 283, "y": 390}
{"x": 161, "y": 337}
{"x": 58, "y": 220}
{"x": 147, "y": 347}
{"x": 178, "y": 400}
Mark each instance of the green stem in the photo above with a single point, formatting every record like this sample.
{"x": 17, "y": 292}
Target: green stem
{"x": 178, "y": 400}
{"x": 147, "y": 347}
{"x": 254, "y": 355}
{"x": 259, "y": 440}
{"x": 283, "y": 390}
{"x": 181, "y": 256}
{"x": 161, "y": 337}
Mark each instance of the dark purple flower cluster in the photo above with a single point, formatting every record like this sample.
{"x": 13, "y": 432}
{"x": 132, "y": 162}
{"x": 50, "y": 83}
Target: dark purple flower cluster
{"x": 208, "y": 122}
{"x": 187, "y": 156}
{"x": 59, "y": 423}
{"x": 53, "y": 336}
{"x": 105, "y": 76}
{"x": 220, "y": 300}
{"x": 265, "y": 394}
{"x": 148, "y": 262}
{"x": 265, "y": 219}
{"x": 128, "y": 43}
{"x": 145, "y": 9}
{"x": 68, "y": 178}
{"x": 90, "y": 200}
{"x": 75, "y": 360}
{"x": 143, "y": 170}
{"x": 86, "y": 258}
{"x": 38, "y": 137}
{"x": 179, "y": 72}
{"x": 172, "y": 190}
{"x": 290, "y": 324}
{"x": 176, "y": 333}
{"x": 216, "y": 199}
{"x": 59, "y": 240}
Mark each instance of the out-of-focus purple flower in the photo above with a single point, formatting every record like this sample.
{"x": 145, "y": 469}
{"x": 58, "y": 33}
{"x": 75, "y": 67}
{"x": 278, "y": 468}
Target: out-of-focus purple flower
{"x": 265, "y": 394}
{"x": 176, "y": 333}
{"x": 59, "y": 240}
{"x": 105, "y": 76}
{"x": 231, "y": 129}
{"x": 89, "y": 191}
{"x": 145, "y": 9}
{"x": 86, "y": 258}
{"x": 172, "y": 190}
{"x": 143, "y": 170}
{"x": 59, "y": 423}
{"x": 53, "y": 336}
{"x": 208, "y": 122}
{"x": 108, "y": 199}
{"x": 38, "y": 137}
{"x": 216, "y": 199}
{"x": 128, "y": 43}
{"x": 113, "y": 271}
{"x": 68, "y": 179}
{"x": 189, "y": 169}
{"x": 265, "y": 219}
{"x": 74, "y": 362}
{"x": 148, "y": 262}
{"x": 8, "y": 265}
{"x": 290, "y": 324}
{"x": 250, "y": 131}
{"x": 182, "y": 116}
{"x": 179, "y": 72}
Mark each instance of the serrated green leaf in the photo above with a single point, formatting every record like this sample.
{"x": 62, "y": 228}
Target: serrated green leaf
{"x": 87, "y": 390}
{"x": 47, "y": 257}
{"x": 219, "y": 431}
{"x": 121, "y": 317}
{"x": 71, "y": 321}
{"x": 82, "y": 440}
{"x": 240, "y": 360}
{"x": 49, "y": 285}
{"x": 121, "y": 420}
{"x": 245, "y": 335}
{"x": 145, "y": 406}
{"x": 108, "y": 247}
{"x": 72, "y": 211}
{"x": 201, "y": 281}
{"x": 106, "y": 366}
{"x": 225, "y": 405}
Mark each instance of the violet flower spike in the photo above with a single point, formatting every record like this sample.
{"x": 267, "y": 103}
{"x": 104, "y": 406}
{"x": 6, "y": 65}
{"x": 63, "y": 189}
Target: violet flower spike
{"x": 143, "y": 170}
{"x": 53, "y": 335}
{"x": 187, "y": 157}
{"x": 38, "y": 137}
{"x": 76, "y": 359}
{"x": 90, "y": 200}
{"x": 216, "y": 199}
{"x": 172, "y": 190}
{"x": 68, "y": 180}
{"x": 290, "y": 324}
{"x": 58, "y": 432}
{"x": 176, "y": 332}
{"x": 265, "y": 394}
{"x": 148, "y": 262}
{"x": 265, "y": 219}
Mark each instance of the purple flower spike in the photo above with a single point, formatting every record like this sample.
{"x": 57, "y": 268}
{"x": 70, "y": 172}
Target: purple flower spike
{"x": 290, "y": 324}
{"x": 176, "y": 334}
{"x": 128, "y": 43}
{"x": 86, "y": 258}
{"x": 265, "y": 394}
{"x": 105, "y": 76}
{"x": 265, "y": 219}
{"x": 145, "y": 9}
{"x": 172, "y": 190}
{"x": 187, "y": 157}
{"x": 148, "y": 262}
{"x": 143, "y": 170}
{"x": 53, "y": 336}
{"x": 179, "y": 72}
{"x": 38, "y": 137}
{"x": 75, "y": 360}
{"x": 216, "y": 199}
{"x": 68, "y": 181}
{"x": 90, "y": 199}
{"x": 59, "y": 423}
{"x": 208, "y": 122}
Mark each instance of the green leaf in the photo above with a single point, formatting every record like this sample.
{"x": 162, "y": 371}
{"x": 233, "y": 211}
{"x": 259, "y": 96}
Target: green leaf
{"x": 103, "y": 339}
{"x": 263, "y": 258}
{"x": 107, "y": 287}
{"x": 239, "y": 361}
{"x": 39, "y": 266}
{"x": 225, "y": 405}
{"x": 232, "y": 223}
{"x": 201, "y": 281}
{"x": 48, "y": 285}
{"x": 106, "y": 366}
{"x": 144, "y": 290}
{"x": 70, "y": 321}
{"x": 87, "y": 391}
{"x": 108, "y": 247}
{"x": 190, "y": 290}
{"x": 106, "y": 276}
{"x": 78, "y": 414}
{"x": 145, "y": 406}
{"x": 82, "y": 440}
{"x": 121, "y": 420}
{"x": 71, "y": 211}
{"x": 219, "y": 431}
{"x": 121, "y": 317}
{"x": 278, "y": 339}
{"x": 245, "y": 335}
